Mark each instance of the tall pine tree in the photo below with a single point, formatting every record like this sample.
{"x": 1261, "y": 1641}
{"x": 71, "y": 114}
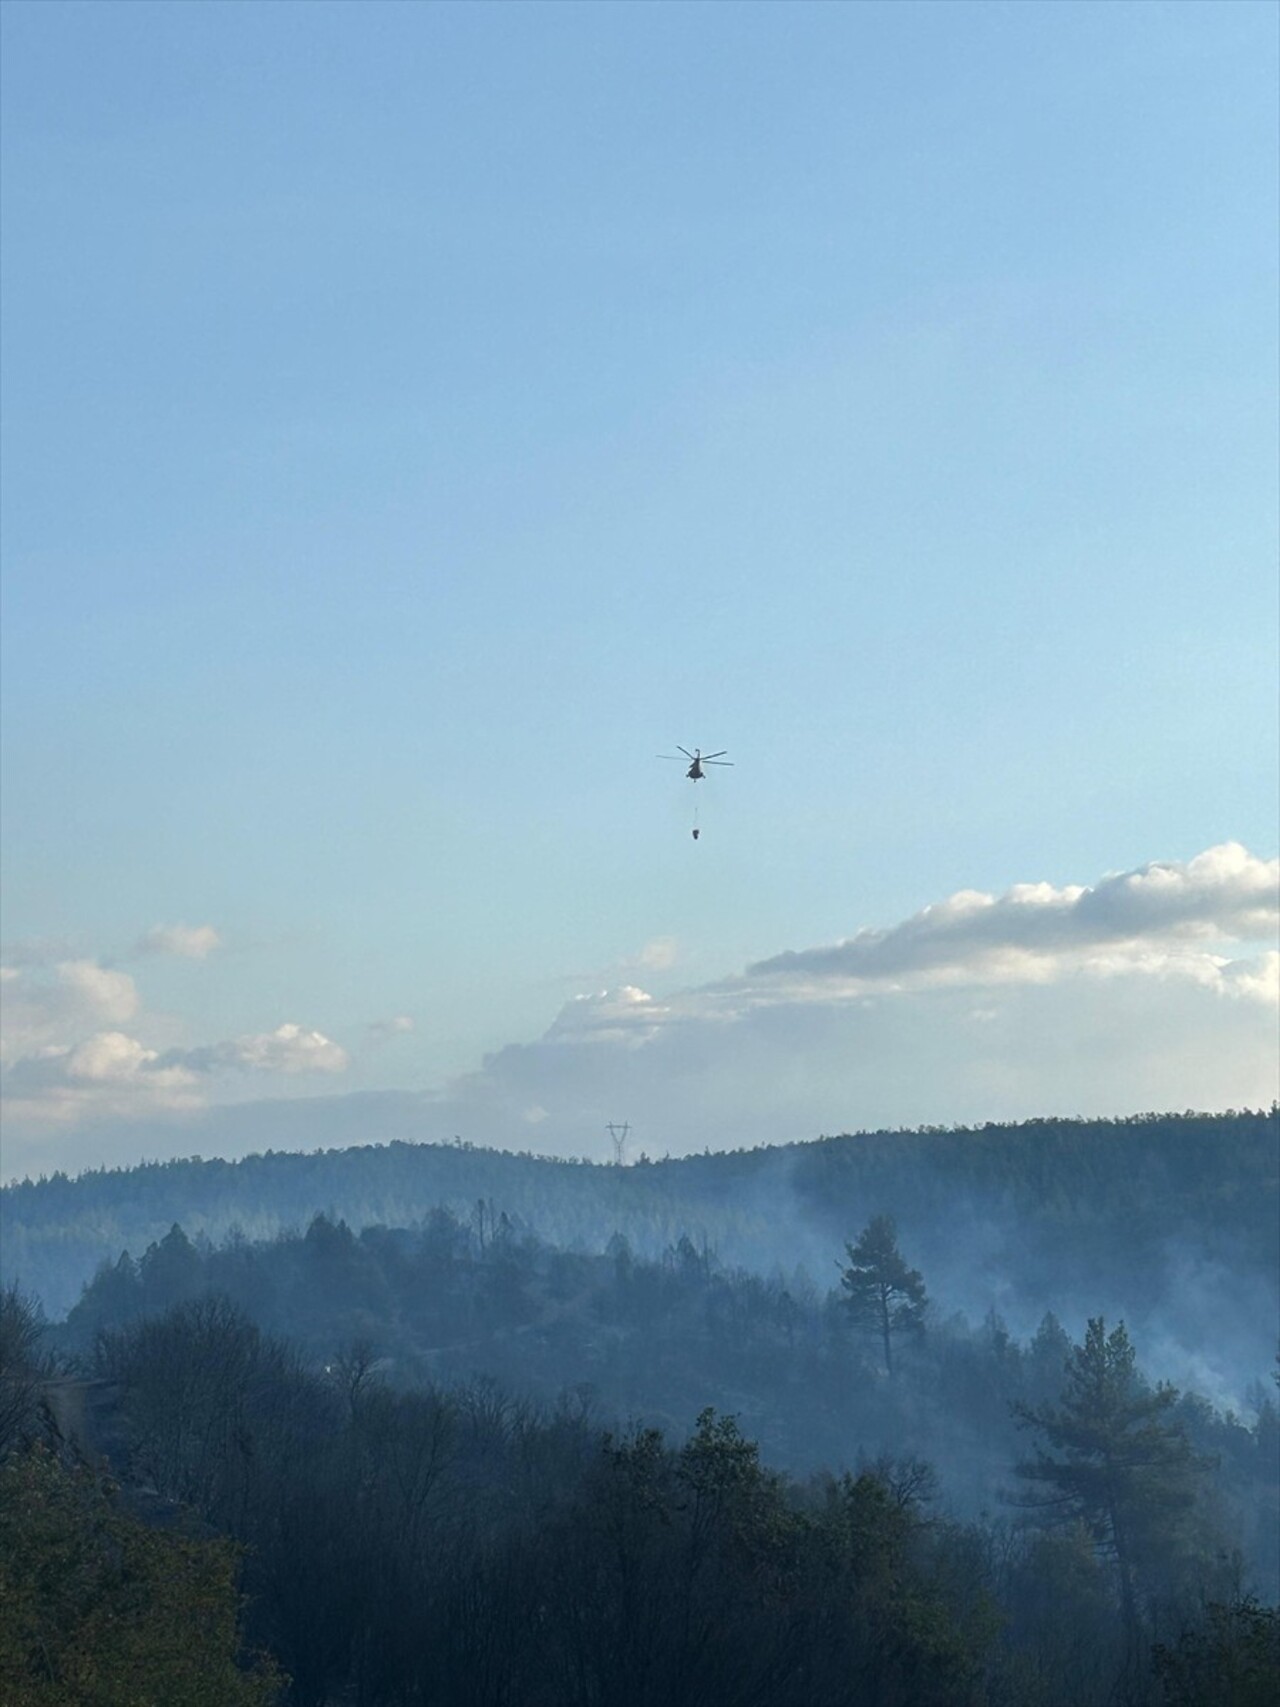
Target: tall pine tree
{"x": 1108, "y": 1456}
{"x": 883, "y": 1295}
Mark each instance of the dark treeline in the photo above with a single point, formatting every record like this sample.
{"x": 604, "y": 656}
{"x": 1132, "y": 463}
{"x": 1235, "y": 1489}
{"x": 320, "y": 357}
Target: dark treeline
{"x": 815, "y": 1378}
{"x": 1116, "y": 1212}
{"x": 458, "y": 1544}
{"x": 716, "y": 1431}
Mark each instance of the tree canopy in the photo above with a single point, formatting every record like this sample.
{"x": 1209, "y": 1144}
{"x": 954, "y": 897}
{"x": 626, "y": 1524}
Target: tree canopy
{"x": 99, "y": 1610}
{"x": 884, "y": 1294}
{"x": 1110, "y": 1456}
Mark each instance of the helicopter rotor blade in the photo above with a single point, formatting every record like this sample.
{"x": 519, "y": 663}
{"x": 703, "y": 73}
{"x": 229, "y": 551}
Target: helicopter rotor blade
{"x": 687, "y": 753}
{"x": 727, "y": 763}
{"x": 718, "y": 755}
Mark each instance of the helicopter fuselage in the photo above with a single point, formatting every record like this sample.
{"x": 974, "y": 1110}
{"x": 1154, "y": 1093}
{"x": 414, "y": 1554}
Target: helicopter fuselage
{"x": 695, "y": 772}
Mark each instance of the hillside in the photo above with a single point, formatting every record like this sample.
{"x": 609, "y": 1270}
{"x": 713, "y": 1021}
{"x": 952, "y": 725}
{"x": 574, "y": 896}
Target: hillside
{"x": 484, "y": 1306}
{"x": 1171, "y": 1221}
{"x": 451, "y": 1397}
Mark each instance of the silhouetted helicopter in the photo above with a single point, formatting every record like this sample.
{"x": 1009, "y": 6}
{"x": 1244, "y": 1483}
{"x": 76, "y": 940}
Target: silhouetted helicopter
{"x": 695, "y": 772}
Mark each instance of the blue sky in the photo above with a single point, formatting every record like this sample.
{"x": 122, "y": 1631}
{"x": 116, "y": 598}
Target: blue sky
{"x": 416, "y": 418}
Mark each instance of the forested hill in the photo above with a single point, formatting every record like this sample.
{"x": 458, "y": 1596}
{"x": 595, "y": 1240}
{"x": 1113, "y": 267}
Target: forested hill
{"x": 1130, "y": 1215}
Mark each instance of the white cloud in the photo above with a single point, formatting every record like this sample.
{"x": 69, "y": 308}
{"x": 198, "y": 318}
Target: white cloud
{"x": 109, "y": 1058}
{"x": 74, "y": 1046}
{"x": 1148, "y": 920}
{"x": 110, "y": 1075}
{"x": 71, "y": 998}
{"x": 773, "y": 1073}
{"x": 104, "y": 1076}
{"x": 1108, "y": 999}
{"x": 1223, "y": 892}
{"x": 626, "y": 1015}
{"x": 381, "y": 1030}
{"x": 114, "y": 1058}
{"x": 190, "y": 942}
{"x": 98, "y": 990}
{"x": 1150, "y": 989}
{"x": 1257, "y": 980}
{"x": 289, "y": 1049}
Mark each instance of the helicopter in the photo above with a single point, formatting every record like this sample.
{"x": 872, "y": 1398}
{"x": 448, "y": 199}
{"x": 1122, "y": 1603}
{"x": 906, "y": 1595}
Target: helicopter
{"x": 695, "y": 772}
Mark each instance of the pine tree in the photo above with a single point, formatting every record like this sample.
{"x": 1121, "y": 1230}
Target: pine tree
{"x": 1108, "y": 1458}
{"x": 884, "y": 1295}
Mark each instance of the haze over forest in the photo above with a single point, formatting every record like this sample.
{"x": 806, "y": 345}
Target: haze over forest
{"x": 513, "y": 1355}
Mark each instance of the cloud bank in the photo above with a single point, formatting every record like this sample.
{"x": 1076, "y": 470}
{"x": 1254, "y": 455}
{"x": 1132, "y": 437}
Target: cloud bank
{"x": 1152, "y": 989}
{"x": 1155, "y": 988}
{"x": 1159, "y": 919}
{"x": 67, "y": 1060}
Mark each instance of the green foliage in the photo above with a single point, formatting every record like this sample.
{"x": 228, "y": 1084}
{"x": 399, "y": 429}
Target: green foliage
{"x": 711, "y": 1578}
{"x": 884, "y": 1295}
{"x": 408, "y": 1547}
{"x": 405, "y": 1547}
{"x": 1230, "y": 1659}
{"x": 453, "y": 1543}
{"x": 1062, "y": 1639}
{"x": 97, "y": 1610}
{"x": 915, "y": 1642}
{"x": 1113, "y": 1460}
{"x": 656, "y": 1339}
{"x": 22, "y": 1364}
